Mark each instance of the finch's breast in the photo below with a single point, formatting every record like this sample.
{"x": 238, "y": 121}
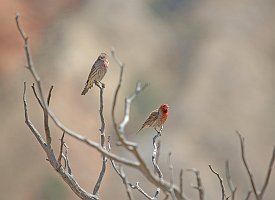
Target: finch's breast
{"x": 163, "y": 118}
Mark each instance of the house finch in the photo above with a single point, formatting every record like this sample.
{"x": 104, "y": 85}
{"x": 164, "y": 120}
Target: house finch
{"x": 97, "y": 73}
{"x": 156, "y": 118}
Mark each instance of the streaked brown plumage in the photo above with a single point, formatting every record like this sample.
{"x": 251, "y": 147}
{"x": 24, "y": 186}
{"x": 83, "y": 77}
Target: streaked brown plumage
{"x": 97, "y": 73}
{"x": 156, "y": 118}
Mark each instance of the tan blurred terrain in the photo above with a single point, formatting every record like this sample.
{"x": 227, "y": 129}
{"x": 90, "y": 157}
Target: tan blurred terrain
{"x": 211, "y": 61}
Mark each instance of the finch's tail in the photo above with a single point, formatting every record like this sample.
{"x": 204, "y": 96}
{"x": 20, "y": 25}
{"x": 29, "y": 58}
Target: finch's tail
{"x": 85, "y": 90}
{"x": 139, "y": 130}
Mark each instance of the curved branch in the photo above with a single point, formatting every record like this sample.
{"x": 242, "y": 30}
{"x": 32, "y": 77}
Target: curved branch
{"x": 221, "y": 183}
{"x": 246, "y": 165}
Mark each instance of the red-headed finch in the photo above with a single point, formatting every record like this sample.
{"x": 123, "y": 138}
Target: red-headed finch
{"x": 97, "y": 73}
{"x": 156, "y": 118}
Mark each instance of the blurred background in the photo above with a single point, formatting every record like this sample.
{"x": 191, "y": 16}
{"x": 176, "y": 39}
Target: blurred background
{"x": 211, "y": 61}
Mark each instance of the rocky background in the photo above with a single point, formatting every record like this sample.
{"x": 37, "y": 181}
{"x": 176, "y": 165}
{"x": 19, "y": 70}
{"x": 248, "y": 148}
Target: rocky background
{"x": 212, "y": 61}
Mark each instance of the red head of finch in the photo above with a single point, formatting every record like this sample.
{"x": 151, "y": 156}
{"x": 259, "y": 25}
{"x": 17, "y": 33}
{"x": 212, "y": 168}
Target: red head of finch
{"x": 97, "y": 72}
{"x": 156, "y": 118}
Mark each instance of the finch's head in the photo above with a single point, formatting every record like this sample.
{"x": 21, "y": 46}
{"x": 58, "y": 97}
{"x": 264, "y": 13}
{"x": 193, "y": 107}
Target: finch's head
{"x": 164, "y": 108}
{"x": 102, "y": 56}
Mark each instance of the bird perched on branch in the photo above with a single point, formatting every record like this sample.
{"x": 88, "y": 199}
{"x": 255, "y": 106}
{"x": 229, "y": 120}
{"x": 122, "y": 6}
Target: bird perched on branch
{"x": 156, "y": 118}
{"x": 97, "y": 73}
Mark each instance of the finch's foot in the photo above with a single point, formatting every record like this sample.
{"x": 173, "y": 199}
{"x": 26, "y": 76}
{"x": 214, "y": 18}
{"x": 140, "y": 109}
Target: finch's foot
{"x": 102, "y": 84}
{"x": 159, "y": 132}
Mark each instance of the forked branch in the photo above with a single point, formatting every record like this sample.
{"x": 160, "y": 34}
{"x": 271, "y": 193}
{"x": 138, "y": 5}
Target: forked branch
{"x": 258, "y": 195}
{"x": 132, "y": 147}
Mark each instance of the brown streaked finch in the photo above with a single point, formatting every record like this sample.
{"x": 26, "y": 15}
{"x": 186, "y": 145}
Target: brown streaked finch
{"x": 156, "y": 118}
{"x": 97, "y": 72}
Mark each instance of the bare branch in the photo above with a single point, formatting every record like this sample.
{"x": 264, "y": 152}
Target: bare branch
{"x": 120, "y": 131}
{"x": 61, "y": 150}
{"x": 246, "y": 165}
{"x": 29, "y": 123}
{"x": 154, "y": 156}
{"x": 171, "y": 176}
{"x": 127, "y": 105}
{"x": 119, "y": 170}
{"x": 46, "y": 116}
{"x": 28, "y": 52}
{"x": 248, "y": 195}
{"x": 36, "y": 96}
{"x": 66, "y": 158}
{"x": 121, "y": 65}
{"x": 269, "y": 170}
{"x": 221, "y": 183}
{"x": 181, "y": 181}
{"x": 199, "y": 185}
{"x": 232, "y": 188}
{"x": 102, "y": 139}
{"x": 171, "y": 169}
{"x": 144, "y": 193}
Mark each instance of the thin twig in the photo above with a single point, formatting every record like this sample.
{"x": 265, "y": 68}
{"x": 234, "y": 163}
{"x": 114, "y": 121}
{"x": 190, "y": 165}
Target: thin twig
{"x": 171, "y": 169}
{"x": 144, "y": 193}
{"x": 61, "y": 150}
{"x": 231, "y": 186}
{"x": 66, "y": 158}
{"x": 248, "y": 195}
{"x": 102, "y": 140}
{"x": 246, "y": 166}
{"x": 269, "y": 170}
{"x": 199, "y": 185}
{"x": 221, "y": 183}
{"x": 171, "y": 176}
{"x": 29, "y": 56}
{"x": 119, "y": 170}
{"x": 121, "y": 65}
{"x": 128, "y": 101}
{"x": 181, "y": 181}
{"x": 45, "y": 113}
{"x": 29, "y": 123}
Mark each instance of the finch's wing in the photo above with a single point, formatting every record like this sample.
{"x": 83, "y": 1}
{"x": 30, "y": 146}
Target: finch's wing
{"x": 94, "y": 71}
{"x": 91, "y": 78}
{"x": 150, "y": 120}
